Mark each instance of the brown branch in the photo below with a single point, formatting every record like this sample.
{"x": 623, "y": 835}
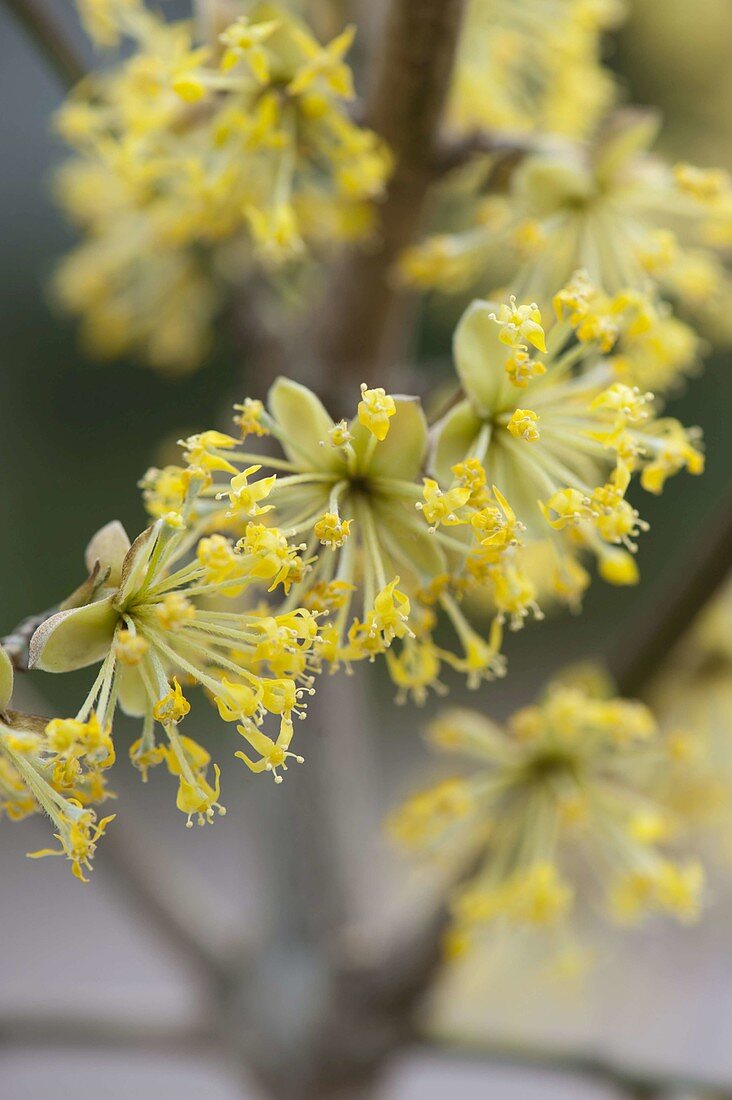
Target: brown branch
{"x": 50, "y": 40}
{"x": 363, "y": 327}
{"x": 662, "y": 623}
{"x": 635, "y": 1081}
{"x": 16, "y": 644}
{"x": 175, "y": 906}
{"x": 69, "y": 1030}
{"x": 457, "y": 152}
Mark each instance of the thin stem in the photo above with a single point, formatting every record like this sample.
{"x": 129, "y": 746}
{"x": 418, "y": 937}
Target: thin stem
{"x": 16, "y": 644}
{"x": 634, "y": 1081}
{"x": 66, "y": 1030}
{"x": 50, "y": 40}
{"x": 505, "y": 147}
{"x": 174, "y": 905}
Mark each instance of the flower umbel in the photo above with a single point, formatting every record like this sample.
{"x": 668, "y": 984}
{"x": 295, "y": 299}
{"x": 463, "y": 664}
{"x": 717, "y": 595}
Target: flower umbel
{"x": 562, "y": 442}
{"x": 351, "y": 491}
{"x": 613, "y": 209}
{"x": 56, "y": 768}
{"x": 154, "y": 623}
{"x": 567, "y": 782}
{"x": 195, "y": 162}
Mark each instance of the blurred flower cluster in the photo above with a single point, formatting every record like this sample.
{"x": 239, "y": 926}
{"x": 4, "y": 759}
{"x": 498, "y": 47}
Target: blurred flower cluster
{"x": 557, "y": 810}
{"x": 611, "y": 208}
{"x": 198, "y": 162}
{"x": 534, "y": 69}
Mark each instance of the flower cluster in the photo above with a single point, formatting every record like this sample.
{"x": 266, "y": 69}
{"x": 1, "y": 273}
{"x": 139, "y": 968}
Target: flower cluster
{"x": 555, "y": 809}
{"x": 151, "y": 613}
{"x": 195, "y": 162}
{"x": 612, "y": 209}
{"x": 352, "y": 491}
{"x": 533, "y": 461}
{"x": 692, "y": 698}
{"x": 536, "y": 69}
{"x": 56, "y": 768}
{"x": 561, "y": 436}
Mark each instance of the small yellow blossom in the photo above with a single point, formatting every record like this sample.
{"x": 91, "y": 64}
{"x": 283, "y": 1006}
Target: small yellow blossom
{"x": 173, "y": 707}
{"x": 249, "y": 418}
{"x": 331, "y": 530}
{"x": 246, "y": 497}
{"x": 339, "y": 435}
{"x": 520, "y": 325}
{"x": 442, "y": 507}
{"x": 130, "y": 648}
{"x": 375, "y": 410}
{"x": 523, "y": 425}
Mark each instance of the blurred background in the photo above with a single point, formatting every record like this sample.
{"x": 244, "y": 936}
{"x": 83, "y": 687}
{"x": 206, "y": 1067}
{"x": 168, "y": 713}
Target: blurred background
{"x": 75, "y": 436}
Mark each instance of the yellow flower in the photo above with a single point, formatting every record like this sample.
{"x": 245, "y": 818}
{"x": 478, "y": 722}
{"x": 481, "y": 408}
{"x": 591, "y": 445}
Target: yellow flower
{"x": 588, "y": 435}
{"x": 189, "y": 156}
{"x": 537, "y": 70}
{"x": 331, "y": 530}
{"x": 567, "y": 783}
{"x": 150, "y": 621}
{"x": 523, "y": 425}
{"x": 78, "y": 834}
{"x": 611, "y": 208}
{"x": 375, "y": 410}
{"x": 272, "y": 754}
{"x": 54, "y": 768}
{"x": 373, "y": 568}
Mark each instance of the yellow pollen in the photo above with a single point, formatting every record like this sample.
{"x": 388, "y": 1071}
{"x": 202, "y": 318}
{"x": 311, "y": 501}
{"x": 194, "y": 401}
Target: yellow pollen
{"x": 523, "y": 425}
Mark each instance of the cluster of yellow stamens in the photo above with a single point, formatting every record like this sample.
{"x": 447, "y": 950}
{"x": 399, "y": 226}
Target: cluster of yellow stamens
{"x": 567, "y": 781}
{"x": 605, "y": 207}
{"x": 153, "y": 617}
{"x": 56, "y": 768}
{"x": 197, "y": 160}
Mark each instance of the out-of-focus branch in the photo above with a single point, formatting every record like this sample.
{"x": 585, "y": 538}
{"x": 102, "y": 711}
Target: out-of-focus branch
{"x": 661, "y": 624}
{"x": 362, "y": 328}
{"x": 506, "y": 147}
{"x": 175, "y": 902}
{"x": 633, "y": 1081}
{"x": 50, "y": 39}
{"x": 67, "y": 1030}
{"x": 174, "y": 906}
